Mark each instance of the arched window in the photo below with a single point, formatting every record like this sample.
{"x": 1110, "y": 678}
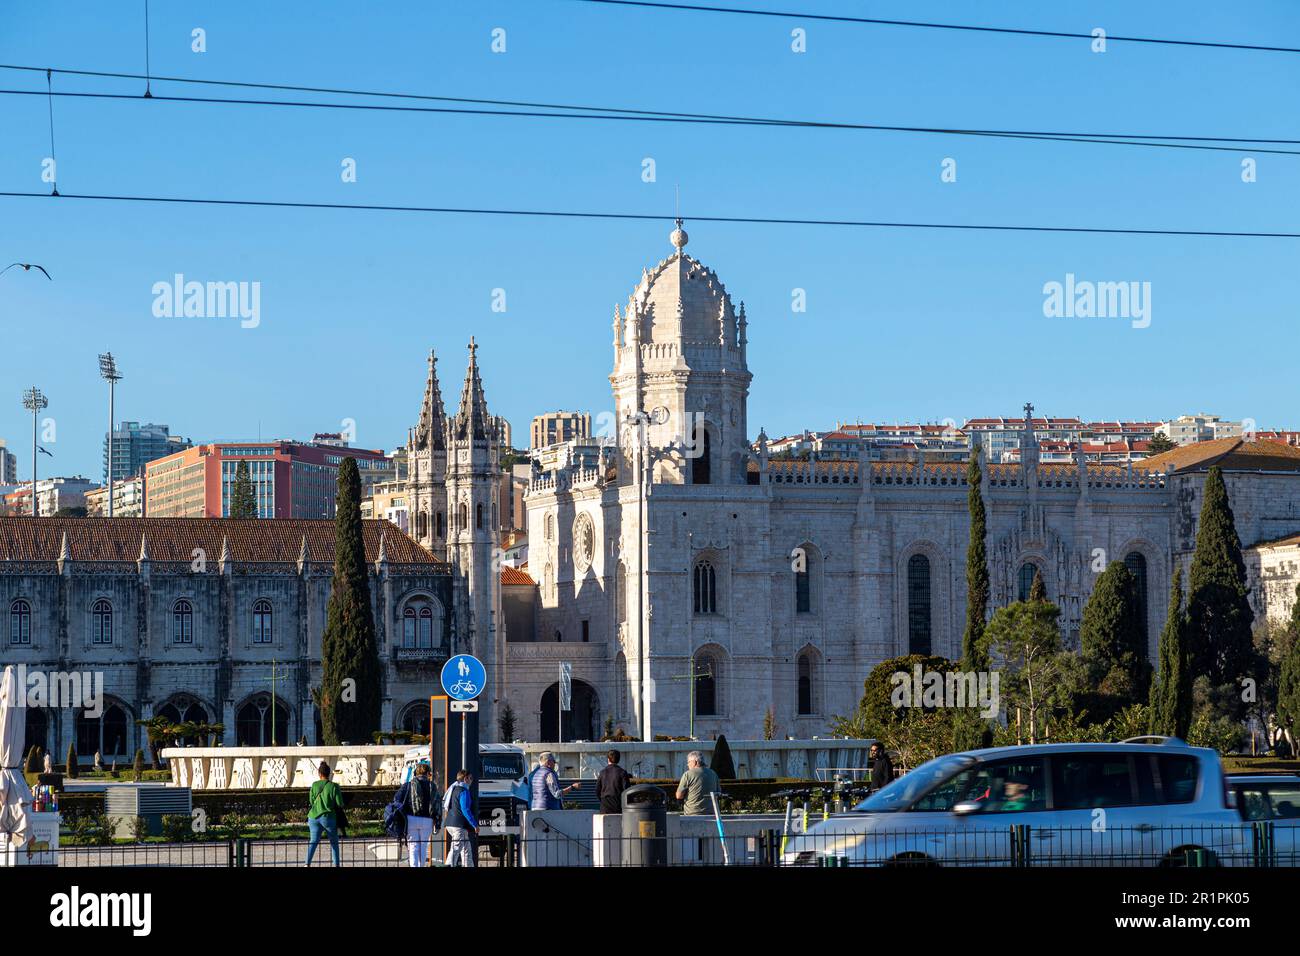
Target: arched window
{"x": 1136, "y": 563}
{"x": 258, "y": 724}
{"x": 20, "y": 622}
{"x": 462, "y": 517}
{"x": 548, "y": 582}
{"x": 621, "y": 683}
{"x": 478, "y": 517}
{"x": 101, "y": 622}
{"x": 182, "y": 622}
{"x": 701, "y": 469}
{"x": 415, "y": 717}
{"x": 421, "y": 524}
{"x": 918, "y": 604}
{"x": 807, "y": 668}
{"x": 180, "y": 710}
{"x": 1025, "y": 581}
{"x": 440, "y": 524}
{"x": 262, "y": 622}
{"x": 549, "y": 528}
{"x": 417, "y": 626}
{"x": 802, "y": 587}
{"x": 104, "y": 735}
{"x": 620, "y": 594}
{"x": 708, "y": 680}
{"x": 706, "y": 589}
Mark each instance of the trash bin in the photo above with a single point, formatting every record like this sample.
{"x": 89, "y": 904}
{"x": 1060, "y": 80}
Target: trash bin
{"x": 645, "y": 826}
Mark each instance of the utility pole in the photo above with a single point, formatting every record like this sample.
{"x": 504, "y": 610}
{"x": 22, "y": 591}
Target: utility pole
{"x": 108, "y": 371}
{"x": 36, "y": 402}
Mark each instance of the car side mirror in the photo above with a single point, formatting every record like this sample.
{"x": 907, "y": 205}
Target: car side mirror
{"x": 965, "y": 807}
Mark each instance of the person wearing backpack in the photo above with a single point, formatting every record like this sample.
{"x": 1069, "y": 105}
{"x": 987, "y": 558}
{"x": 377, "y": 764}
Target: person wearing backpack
{"x": 417, "y": 804}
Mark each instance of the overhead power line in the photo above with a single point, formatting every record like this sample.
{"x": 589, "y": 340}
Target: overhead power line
{"x": 922, "y": 24}
{"x": 650, "y": 217}
{"x": 561, "y": 111}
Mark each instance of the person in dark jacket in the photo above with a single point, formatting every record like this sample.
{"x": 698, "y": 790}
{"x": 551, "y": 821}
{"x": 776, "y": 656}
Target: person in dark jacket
{"x": 611, "y": 783}
{"x": 419, "y": 801}
{"x": 461, "y": 817}
{"x": 882, "y": 768}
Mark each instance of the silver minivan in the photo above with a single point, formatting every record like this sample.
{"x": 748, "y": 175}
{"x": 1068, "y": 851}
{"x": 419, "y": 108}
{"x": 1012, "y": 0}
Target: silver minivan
{"x": 1153, "y": 801}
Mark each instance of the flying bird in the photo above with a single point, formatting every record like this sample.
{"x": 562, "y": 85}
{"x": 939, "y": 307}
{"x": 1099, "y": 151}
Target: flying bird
{"x": 27, "y": 267}
{"x": 42, "y": 450}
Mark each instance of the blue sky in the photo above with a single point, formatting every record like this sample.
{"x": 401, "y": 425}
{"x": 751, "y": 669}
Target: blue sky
{"x": 900, "y": 325}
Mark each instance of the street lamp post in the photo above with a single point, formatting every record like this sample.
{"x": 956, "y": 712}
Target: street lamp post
{"x": 108, "y": 371}
{"x": 35, "y": 402}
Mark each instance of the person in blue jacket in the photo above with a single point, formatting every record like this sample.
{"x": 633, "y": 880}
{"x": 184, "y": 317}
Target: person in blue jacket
{"x": 461, "y": 819}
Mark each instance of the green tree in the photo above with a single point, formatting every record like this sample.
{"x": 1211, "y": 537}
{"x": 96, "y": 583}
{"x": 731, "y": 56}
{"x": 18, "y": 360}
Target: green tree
{"x": 350, "y": 669}
{"x": 1159, "y": 445}
{"x": 137, "y": 766}
{"x": 1171, "y": 691}
{"x": 507, "y": 723}
{"x": 1038, "y": 590}
{"x": 1112, "y": 643}
{"x": 1219, "y": 617}
{"x": 33, "y": 764}
{"x": 70, "y": 762}
{"x": 1024, "y": 639}
{"x": 977, "y": 568}
{"x": 243, "y": 499}
{"x": 1288, "y": 683}
{"x": 721, "y": 762}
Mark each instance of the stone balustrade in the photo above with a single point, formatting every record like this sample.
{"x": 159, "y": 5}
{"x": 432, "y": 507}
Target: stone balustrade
{"x": 272, "y": 768}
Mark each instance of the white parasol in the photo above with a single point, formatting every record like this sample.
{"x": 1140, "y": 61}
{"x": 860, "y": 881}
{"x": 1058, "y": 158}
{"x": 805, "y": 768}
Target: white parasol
{"x": 15, "y": 795}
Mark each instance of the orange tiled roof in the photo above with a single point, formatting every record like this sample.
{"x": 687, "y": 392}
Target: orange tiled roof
{"x": 515, "y": 576}
{"x": 1235, "y": 454}
{"x": 268, "y": 540}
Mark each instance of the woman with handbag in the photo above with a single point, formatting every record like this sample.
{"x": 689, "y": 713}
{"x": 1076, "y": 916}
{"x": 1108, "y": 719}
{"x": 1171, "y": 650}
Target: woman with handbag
{"x": 324, "y": 813}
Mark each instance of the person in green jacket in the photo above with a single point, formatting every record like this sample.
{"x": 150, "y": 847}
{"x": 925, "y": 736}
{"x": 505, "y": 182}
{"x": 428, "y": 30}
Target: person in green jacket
{"x": 326, "y": 801}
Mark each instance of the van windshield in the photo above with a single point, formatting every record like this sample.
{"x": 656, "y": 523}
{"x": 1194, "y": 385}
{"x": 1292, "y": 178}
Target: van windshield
{"x": 501, "y": 766}
{"x": 907, "y": 789}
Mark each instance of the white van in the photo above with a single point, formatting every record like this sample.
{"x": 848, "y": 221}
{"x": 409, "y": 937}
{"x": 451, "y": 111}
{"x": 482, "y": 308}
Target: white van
{"x": 1125, "y": 804}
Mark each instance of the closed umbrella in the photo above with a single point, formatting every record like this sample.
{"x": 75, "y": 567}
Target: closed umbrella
{"x": 15, "y": 795}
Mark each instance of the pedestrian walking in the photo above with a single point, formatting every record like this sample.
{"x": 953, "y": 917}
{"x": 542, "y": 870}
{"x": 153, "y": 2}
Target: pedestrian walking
{"x": 882, "y": 768}
{"x": 696, "y": 784}
{"x": 611, "y": 783}
{"x": 419, "y": 803}
{"x": 461, "y": 817}
{"x": 544, "y": 785}
{"x": 324, "y": 809}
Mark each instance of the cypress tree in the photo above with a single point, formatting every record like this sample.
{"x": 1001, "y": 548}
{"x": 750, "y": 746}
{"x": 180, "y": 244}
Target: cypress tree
{"x": 70, "y": 762}
{"x": 1171, "y": 691}
{"x": 1219, "y": 617}
{"x": 1038, "y": 590}
{"x": 243, "y": 499}
{"x": 722, "y": 763}
{"x": 977, "y": 568}
{"x": 1110, "y": 634}
{"x": 350, "y": 671}
{"x": 1288, "y": 683}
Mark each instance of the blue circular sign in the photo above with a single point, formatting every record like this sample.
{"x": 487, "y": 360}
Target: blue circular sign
{"x": 463, "y": 677}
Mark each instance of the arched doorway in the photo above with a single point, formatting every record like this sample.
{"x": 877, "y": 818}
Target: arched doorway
{"x": 186, "y": 710}
{"x": 105, "y": 735}
{"x": 258, "y": 725}
{"x": 35, "y": 734}
{"x": 581, "y": 721}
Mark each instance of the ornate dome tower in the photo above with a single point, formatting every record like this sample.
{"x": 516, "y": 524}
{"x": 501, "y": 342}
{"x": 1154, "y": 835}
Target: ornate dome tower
{"x": 679, "y": 364}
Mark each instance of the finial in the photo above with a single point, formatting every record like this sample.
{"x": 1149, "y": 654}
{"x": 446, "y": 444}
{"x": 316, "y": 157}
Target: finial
{"x": 473, "y": 347}
{"x": 679, "y": 238}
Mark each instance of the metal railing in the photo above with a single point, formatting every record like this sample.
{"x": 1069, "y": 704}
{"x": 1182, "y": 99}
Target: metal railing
{"x": 1258, "y": 844}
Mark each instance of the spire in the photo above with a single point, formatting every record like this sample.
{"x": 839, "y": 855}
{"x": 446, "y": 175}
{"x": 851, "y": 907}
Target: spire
{"x": 144, "y": 548}
{"x": 433, "y": 418}
{"x": 473, "y": 419}
{"x": 303, "y": 554}
{"x": 65, "y": 552}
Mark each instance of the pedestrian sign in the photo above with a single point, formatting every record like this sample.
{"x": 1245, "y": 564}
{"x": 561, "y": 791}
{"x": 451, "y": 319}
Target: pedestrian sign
{"x": 463, "y": 677}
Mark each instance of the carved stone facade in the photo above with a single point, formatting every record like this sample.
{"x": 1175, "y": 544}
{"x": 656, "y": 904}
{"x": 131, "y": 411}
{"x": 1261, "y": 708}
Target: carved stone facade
{"x": 775, "y": 585}
{"x": 207, "y": 620}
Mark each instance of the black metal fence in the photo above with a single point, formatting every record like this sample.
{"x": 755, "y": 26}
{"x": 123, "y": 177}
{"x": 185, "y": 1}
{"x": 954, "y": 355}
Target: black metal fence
{"x": 1260, "y": 844}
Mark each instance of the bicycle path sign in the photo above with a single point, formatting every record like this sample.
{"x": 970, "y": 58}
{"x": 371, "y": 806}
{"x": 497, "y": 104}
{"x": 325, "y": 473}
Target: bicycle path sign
{"x": 463, "y": 677}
